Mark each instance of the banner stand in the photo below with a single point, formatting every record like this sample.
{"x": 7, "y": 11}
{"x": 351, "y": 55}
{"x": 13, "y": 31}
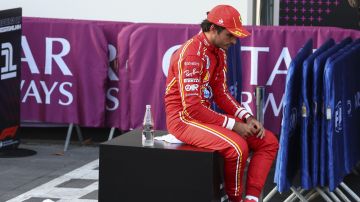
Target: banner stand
{"x": 111, "y": 134}
{"x": 68, "y": 135}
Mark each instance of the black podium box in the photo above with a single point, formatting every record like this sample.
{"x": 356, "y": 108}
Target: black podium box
{"x": 129, "y": 172}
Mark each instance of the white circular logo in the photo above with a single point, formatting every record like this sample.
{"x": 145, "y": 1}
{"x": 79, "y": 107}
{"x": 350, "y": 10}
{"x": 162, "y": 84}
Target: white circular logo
{"x": 192, "y": 87}
{"x": 338, "y": 117}
{"x": 166, "y": 58}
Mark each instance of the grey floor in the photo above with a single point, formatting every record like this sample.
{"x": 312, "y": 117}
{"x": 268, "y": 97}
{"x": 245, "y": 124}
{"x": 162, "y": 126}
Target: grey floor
{"x": 21, "y": 174}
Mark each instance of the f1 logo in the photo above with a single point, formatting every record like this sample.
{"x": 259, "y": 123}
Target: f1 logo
{"x": 9, "y": 70}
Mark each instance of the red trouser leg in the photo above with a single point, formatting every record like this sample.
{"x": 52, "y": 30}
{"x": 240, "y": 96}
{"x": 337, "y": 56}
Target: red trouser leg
{"x": 264, "y": 152}
{"x": 230, "y": 145}
{"x": 234, "y": 150}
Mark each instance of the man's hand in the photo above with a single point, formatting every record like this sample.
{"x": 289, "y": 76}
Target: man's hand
{"x": 250, "y": 128}
{"x": 256, "y": 127}
{"x": 243, "y": 129}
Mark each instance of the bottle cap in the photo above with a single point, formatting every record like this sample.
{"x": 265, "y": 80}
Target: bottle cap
{"x": 148, "y": 106}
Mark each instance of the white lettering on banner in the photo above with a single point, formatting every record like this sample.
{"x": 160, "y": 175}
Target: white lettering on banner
{"x": 112, "y": 92}
{"x": 247, "y": 99}
{"x": 246, "y": 102}
{"x": 284, "y": 55}
{"x": 49, "y": 56}
{"x": 112, "y": 75}
{"x": 29, "y": 58}
{"x": 254, "y": 66}
{"x": 254, "y": 61}
{"x": 272, "y": 101}
{"x": 192, "y": 87}
{"x": 112, "y": 98}
{"x": 189, "y": 73}
{"x": 22, "y": 84}
{"x": 33, "y": 91}
{"x": 112, "y": 52}
{"x": 112, "y": 56}
{"x": 9, "y": 69}
{"x": 166, "y": 59}
{"x": 47, "y": 92}
{"x": 66, "y": 93}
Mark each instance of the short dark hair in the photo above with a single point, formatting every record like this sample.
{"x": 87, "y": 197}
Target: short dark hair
{"x": 206, "y": 24}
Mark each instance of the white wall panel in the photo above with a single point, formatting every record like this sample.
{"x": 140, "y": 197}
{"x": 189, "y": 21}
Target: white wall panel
{"x": 158, "y": 11}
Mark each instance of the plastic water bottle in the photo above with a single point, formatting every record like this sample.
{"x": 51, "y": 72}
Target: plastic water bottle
{"x": 148, "y": 128}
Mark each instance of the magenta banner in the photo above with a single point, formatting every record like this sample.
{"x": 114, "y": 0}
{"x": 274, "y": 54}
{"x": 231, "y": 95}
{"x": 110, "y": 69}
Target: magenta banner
{"x": 149, "y": 56}
{"x": 100, "y": 74}
{"x": 64, "y": 72}
{"x": 123, "y": 40}
{"x": 265, "y": 58}
{"x": 113, "y": 98}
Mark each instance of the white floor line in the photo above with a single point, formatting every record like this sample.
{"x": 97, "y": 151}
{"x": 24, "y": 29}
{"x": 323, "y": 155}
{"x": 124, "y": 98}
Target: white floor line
{"x": 49, "y": 189}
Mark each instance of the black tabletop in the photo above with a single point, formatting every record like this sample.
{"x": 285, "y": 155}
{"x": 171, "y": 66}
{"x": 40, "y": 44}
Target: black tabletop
{"x": 133, "y": 139}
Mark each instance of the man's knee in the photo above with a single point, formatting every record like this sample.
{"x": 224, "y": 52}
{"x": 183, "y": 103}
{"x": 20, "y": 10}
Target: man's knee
{"x": 238, "y": 148}
{"x": 271, "y": 142}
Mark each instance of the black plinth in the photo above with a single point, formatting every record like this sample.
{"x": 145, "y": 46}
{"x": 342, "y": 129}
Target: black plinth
{"x": 166, "y": 172}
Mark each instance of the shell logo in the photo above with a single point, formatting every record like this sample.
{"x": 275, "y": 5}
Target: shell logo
{"x": 167, "y": 57}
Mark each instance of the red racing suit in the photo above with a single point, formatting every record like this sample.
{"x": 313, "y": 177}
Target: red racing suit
{"x": 196, "y": 77}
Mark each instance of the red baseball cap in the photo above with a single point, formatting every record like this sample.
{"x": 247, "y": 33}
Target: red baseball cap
{"x": 228, "y": 17}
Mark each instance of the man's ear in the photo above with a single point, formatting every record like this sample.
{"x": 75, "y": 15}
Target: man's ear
{"x": 212, "y": 29}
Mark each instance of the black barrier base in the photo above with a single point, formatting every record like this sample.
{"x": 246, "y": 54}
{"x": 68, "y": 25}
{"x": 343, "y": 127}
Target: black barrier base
{"x": 129, "y": 172}
{"x": 16, "y": 152}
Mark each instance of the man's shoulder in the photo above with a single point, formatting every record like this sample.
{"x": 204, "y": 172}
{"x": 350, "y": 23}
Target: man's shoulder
{"x": 192, "y": 47}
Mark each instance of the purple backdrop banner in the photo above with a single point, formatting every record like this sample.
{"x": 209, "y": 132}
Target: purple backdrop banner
{"x": 113, "y": 97}
{"x": 265, "y": 58}
{"x": 123, "y": 40}
{"x": 149, "y": 55}
{"x": 64, "y": 72}
{"x": 104, "y": 73}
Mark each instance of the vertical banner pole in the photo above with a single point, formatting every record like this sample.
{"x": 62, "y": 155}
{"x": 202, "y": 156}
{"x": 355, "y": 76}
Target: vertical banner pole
{"x": 260, "y": 97}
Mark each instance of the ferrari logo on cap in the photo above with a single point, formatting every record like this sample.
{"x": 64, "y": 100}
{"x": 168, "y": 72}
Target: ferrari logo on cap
{"x": 239, "y": 33}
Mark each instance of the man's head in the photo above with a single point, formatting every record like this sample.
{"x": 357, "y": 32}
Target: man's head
{"x": 223, "y": 25}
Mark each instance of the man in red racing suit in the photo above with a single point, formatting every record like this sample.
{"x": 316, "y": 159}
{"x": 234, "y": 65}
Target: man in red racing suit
{"x": 196, "y": 77}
